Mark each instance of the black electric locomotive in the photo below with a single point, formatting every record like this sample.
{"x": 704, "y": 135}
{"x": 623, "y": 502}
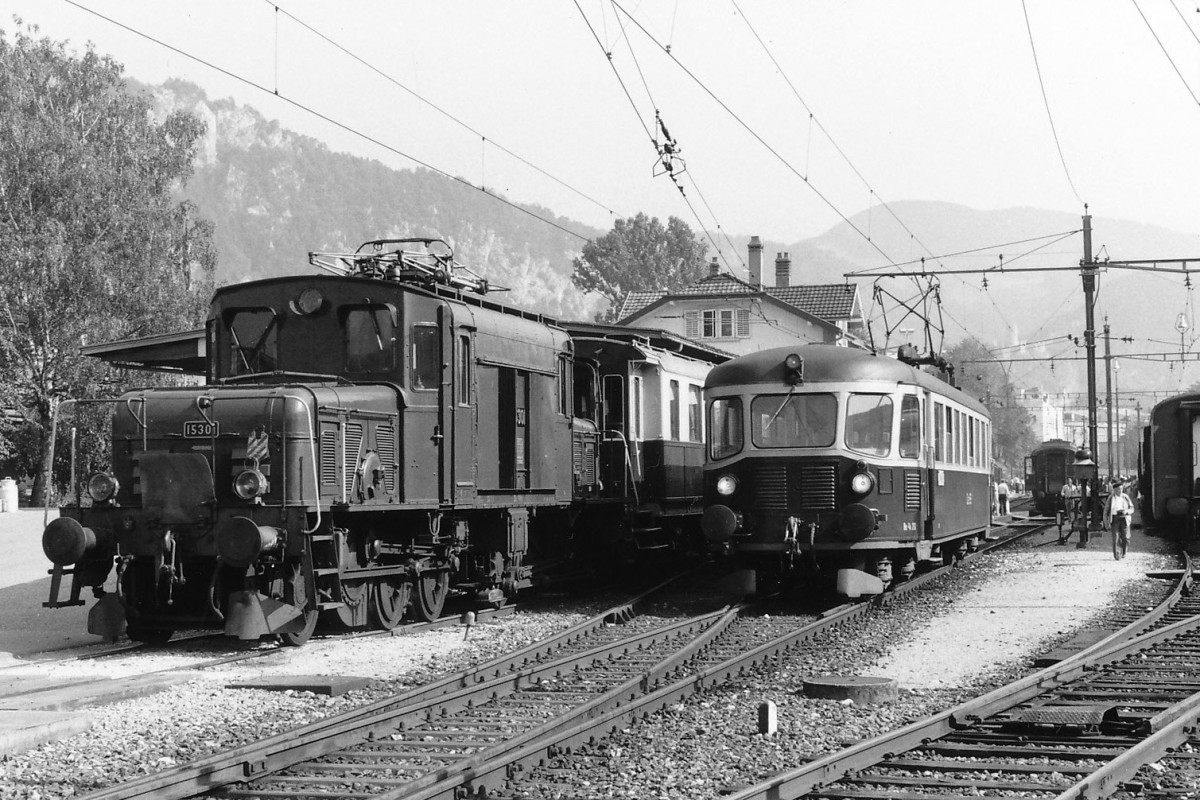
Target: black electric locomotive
{"x": 1046, "y": 471}
{"x": 843, "y": 465}
{"x": 1169, "y": 479}
{"x": 366, "y": 442}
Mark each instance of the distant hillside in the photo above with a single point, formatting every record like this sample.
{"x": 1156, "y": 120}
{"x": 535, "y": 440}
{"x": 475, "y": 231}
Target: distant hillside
{"x": 276, "y": 195}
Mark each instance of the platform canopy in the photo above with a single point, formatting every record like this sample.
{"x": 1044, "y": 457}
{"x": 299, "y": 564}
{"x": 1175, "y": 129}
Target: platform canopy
{"x": 185, "y": 352}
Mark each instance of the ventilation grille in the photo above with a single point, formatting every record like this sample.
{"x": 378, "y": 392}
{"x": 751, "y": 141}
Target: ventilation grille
{"x": 912, "y": 490}
{"x": 818, "y": 487}
{"x": 385, "y": 445}
{"x": 329, "y": 455}
{"x": 354, "y": 437}
{"x": 769, "y": 485}
{"x": 583, "y": 456}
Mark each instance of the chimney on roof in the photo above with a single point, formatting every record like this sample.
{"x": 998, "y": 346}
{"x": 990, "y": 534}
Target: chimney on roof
{"x": 783, "y": 269}
{"x": 756, "y": 249}
{"x": 714, "y": 267}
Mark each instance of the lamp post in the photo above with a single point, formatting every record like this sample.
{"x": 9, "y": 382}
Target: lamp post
{"x": 1084, "y": 470}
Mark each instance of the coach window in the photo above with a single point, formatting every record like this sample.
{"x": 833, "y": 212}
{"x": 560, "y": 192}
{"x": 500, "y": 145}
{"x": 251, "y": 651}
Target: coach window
{"x": 725, "y": 428}
{"x": 426, "y": 366}
{"x": 939, "y": 432}
{"x": 253, "y": 341}
{"x": 368, "y": 336}
{"x": 673, "y": 410}
{"x": 910, "y": 426}
{"x": 694, "y": 414}
{"x": 869, "y": 424}
{"x": 793, "y": 420}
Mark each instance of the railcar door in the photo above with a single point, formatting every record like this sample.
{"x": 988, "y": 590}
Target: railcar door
{"x": 446, "y": 440}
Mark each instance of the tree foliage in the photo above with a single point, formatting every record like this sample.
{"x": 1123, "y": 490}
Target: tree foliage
{"x": 96, "y": 246}
{"x": 639, "y": 254}
{"x": 977, "y": 374}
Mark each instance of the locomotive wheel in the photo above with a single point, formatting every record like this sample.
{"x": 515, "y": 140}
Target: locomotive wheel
{"x": 150, "y": 636}
{"x": 430, "y": 595}
{"x": 353, "y": 611}
{"x": 389, "y": 601}
{"x": 304, "y": 634}
{"x": 295, "y": 592}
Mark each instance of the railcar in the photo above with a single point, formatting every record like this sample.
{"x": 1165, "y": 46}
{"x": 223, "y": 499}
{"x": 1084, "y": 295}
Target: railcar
{"x": 1046, "y": 471}
{"x": 1169, "y": 481}
{"x": 652, "y": 427}
{"x": 366, "y": 442}
{"x": 842, "y": 467}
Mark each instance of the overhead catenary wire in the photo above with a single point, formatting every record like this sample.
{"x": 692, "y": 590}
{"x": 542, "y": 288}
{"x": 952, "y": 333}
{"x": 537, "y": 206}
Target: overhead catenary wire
{"x": 652, "y": 135}
{"x": 417, "y": 96}
{"x": 326, "y": 118}
{"x": 1046, "y": 102}
{"x": 1162, "y": 47}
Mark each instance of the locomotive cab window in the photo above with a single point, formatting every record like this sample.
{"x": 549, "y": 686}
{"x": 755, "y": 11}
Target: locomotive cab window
{"x": 614, "y": 403}
{"x": 253, "y": 341}
{"x": 869, "y": 424}
{"x": 725, "y": 428}
{"x": 368, "y": 336}
{"x": 794, "y": 420}
{"x": 426, "y": 363}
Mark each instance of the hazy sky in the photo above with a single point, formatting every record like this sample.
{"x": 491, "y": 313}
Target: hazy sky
{"x": 870, "y": 101}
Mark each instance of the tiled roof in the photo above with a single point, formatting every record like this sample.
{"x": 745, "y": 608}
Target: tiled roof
{"x": 829, "y": 301}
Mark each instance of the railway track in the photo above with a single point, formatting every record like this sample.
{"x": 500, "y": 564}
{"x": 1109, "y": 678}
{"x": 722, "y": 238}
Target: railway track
{"x": 475, "y": 731}
{"x": 1079, "y": 730}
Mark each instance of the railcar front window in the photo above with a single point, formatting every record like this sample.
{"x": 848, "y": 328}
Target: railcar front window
{"x": 253, "y": 341}
{"x": 910, "y": 427}
{"x": 869, "y": 424}
{"x": 794, "y": 420}
{"x": 725, "y": 436}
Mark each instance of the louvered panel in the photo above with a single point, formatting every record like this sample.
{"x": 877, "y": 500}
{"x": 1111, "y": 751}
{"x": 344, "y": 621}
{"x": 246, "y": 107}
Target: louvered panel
{"x": 769, "y": 485}
{"x": 589, "y": 463}
{"x": 328, "y": 469}
{"x": 818, "y": 487}
{"x": 354, "y": 437}
{"x": 385, "y": 445}
{"x": 912, "y": 490}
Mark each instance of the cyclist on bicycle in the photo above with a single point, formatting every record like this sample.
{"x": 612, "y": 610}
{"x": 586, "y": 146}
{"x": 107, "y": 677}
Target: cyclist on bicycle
{"x": 1118, "y": 514}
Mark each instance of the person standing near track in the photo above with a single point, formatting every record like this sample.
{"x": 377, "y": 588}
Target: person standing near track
{"x": 1118, "y": 514}
{"x": 1002, "y": 497}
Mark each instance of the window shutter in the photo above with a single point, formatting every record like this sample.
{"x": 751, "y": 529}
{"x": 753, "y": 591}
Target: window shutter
{"x": 691, "y": 321}
{"x": 743, "y": 322}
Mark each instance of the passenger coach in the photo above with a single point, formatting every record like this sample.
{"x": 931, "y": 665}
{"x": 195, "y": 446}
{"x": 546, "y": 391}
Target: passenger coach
{"x": 1046, "y": 472}
{"x": 843, "y": 465}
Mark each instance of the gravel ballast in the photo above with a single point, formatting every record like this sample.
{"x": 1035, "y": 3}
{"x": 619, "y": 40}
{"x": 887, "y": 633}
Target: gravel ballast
{"x": 978, "y": 628}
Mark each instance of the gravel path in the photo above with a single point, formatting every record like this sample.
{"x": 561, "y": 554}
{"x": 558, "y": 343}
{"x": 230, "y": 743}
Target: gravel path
{"x": 943, "y": 645}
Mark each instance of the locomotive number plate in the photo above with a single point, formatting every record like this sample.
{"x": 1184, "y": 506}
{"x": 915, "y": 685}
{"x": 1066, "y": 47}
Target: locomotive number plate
{"x": 201, "y": 430}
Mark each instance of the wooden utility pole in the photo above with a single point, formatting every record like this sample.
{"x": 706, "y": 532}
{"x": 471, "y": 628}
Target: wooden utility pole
{"x": 1090, "y": 270}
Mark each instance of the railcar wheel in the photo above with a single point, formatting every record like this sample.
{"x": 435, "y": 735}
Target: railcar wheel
{"x": 430, "y": 595}
{"x": 389, "y": 601}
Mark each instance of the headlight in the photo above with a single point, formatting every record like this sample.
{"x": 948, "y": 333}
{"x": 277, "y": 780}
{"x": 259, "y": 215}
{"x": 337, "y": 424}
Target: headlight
{"x": 102, "y": 487}
{"x": 726, "y": 485}
{"x": 249, "y": 484}
{"x": 862, "y": 483}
